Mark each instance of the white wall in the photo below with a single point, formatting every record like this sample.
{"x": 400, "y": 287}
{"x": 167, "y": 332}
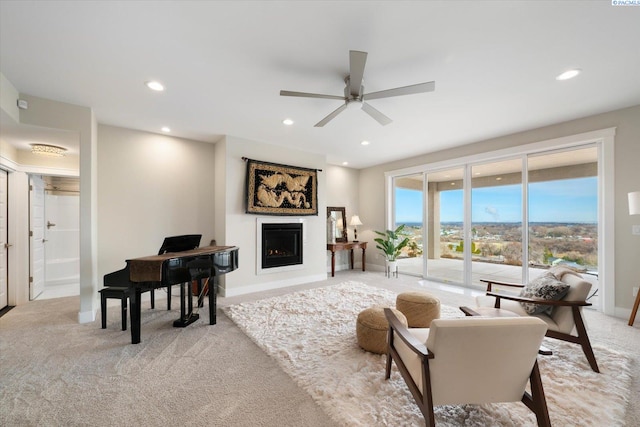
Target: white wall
{"x": 150, "y": 186}
{"x": 627, "y": 178}
{"x": 241, "y": 228}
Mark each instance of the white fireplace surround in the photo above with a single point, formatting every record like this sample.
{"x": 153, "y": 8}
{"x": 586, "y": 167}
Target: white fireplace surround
{"x": 287, "y": 220}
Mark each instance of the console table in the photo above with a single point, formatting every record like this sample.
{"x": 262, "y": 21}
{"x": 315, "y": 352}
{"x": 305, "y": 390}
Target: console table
{"x": 333, "y": 247}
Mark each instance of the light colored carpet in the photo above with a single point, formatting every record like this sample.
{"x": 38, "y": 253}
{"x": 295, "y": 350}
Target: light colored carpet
{"x": 56, "y": 372}
{"x": 312, "y": 336}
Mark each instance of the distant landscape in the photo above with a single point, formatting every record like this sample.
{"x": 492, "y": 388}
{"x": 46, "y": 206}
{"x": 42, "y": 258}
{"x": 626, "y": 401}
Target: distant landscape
{"x": 550, "y": 243}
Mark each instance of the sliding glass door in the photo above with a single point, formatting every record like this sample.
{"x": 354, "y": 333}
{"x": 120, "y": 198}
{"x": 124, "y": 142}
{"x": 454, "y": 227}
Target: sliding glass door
{"x": 445, "y": 225}
{"x": 496, "y": 221}
{"x": 409, "y": 211}
{"x": 563, "y": 212}
{"x": 511, "y": 219}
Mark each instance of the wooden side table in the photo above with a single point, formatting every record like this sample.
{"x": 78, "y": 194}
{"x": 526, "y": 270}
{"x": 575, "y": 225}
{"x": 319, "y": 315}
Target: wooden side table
{"x": 348, "y": 246}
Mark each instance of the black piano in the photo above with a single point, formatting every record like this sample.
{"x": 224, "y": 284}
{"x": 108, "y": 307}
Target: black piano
{"x": 170, "y": 244}
{"x": 172, "y": 267}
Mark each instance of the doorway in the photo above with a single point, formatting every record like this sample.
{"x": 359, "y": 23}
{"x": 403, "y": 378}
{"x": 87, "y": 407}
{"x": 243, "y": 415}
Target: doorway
{"x": 55, "y": 259}
{"x": 4, "y": 244}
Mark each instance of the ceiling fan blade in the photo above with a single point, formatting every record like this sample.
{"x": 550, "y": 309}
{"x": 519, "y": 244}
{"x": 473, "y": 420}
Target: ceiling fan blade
{"x": 405, "y": 90}
{"x": 310, "y": 95}
{"x": 377, "y": 115}
{"x": 331, "y": 116}
{"x": 357, "y": 60}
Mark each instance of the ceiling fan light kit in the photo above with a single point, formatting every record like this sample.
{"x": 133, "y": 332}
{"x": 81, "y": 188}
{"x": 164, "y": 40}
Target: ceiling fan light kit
{"x": 354, "y": 96}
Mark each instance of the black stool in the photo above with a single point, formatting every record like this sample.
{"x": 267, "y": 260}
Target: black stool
{"x": 114, "y": 292}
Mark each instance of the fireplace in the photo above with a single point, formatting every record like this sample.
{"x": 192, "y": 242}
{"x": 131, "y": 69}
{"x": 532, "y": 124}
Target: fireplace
{"x": 281, "y": 244}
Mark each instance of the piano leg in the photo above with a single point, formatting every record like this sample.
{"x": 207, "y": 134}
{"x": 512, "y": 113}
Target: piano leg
{"x": 186, "y": 318}
{"x": 134, "y": 301}
{"x": 200, "y": 296}
{"x": 213, "y": 292}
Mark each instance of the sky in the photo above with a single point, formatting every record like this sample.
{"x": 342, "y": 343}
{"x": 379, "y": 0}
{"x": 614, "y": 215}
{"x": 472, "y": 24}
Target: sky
{"x": 569, "y": 200}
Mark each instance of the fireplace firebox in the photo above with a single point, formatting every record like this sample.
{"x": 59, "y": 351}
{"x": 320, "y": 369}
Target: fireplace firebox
{"x": 281, "y": 244}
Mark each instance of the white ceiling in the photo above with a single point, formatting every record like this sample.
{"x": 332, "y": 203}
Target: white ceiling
{"x": 224, "y": 63}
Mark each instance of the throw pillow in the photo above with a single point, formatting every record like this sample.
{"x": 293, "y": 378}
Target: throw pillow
{"x": 544, "y": 287}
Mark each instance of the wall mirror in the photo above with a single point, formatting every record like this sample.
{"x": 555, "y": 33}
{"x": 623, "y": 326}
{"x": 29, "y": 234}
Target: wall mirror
{"x": 338, "y": 214}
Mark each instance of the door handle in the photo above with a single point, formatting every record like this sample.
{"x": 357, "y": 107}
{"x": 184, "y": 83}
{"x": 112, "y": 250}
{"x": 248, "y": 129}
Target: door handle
{"x": 7, "y": 245}
{"x": 44, "y": 240}
{"x": 50, "y": 224}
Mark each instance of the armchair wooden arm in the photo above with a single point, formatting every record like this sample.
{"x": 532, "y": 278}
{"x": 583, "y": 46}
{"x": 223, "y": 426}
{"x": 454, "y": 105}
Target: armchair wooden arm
{"x": 402, "y": 331}
{"x": 493, "y": 282}
{"x": 396, "y": 328}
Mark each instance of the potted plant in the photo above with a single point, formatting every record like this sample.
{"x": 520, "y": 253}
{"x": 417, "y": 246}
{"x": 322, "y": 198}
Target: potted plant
{"x": 391, "y": 244}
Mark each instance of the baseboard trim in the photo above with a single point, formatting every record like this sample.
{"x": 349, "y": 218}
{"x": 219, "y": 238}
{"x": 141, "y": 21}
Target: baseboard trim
{"x": 87, "y": 316}
{"x": 267, "y": 286}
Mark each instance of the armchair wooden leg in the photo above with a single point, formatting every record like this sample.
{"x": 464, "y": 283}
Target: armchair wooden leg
{"x": 634, "y": 310}
{"x": 389, "y": 345}
{"x": 583, "y": 339}
{"x": 536, "y": 401}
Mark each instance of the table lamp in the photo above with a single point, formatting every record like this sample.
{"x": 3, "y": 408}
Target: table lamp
{"x": 355, "y": 221}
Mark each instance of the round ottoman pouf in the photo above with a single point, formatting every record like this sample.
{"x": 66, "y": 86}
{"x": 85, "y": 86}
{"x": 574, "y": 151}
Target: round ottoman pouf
{"x": 420, "y": 308}
{"x": 372, "y": 329}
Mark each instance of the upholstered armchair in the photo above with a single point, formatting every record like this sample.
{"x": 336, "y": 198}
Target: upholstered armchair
{"x": 472, "y": 360}
{"x": 562, "y": 316}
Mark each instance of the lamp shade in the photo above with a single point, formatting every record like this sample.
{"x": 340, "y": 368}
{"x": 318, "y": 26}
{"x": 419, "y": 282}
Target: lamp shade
{"x": 355, "y": 220}
{"x": 634, "y": 203}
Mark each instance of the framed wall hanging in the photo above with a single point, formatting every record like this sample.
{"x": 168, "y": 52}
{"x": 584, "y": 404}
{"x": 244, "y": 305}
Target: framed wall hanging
{"x": 274, "y": 189}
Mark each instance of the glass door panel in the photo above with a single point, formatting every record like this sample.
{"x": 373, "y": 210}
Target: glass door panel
{"x": 445, "y": 225}
{"x": 408, "y": 210}
{"x": 496, "y": 222}
{"x": 563, "y": 212}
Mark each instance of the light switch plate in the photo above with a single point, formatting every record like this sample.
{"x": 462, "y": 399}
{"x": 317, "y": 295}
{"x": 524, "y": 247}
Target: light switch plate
{"x": 635, "y": 229}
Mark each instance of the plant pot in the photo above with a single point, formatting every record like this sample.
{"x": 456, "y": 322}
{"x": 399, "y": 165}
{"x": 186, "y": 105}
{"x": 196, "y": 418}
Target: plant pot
{"x": 391, "y": 268}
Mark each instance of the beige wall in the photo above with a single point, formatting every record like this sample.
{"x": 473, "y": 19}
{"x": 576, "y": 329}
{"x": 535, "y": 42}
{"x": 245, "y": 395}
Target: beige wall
{"x": 150, "y": 186}
{"x": 627, "y": 178}
{"x": 342, "y": 190}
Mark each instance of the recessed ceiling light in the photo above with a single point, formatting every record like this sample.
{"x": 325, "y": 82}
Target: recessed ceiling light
{"x": 287, "y": 122}
{"x": 569, "y": 74}
{"x": 165, "y": 129}
{"x": 154, "y": 85}
{"x": 365, "y": 143}
{"x": 345, "y": 163}
{"x": 499, "y": 178}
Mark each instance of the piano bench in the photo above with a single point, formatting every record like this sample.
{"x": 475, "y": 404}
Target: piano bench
{"x": 114, "y": 292}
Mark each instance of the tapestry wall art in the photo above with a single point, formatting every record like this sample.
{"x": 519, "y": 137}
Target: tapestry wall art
{"x": 274, "y": 189}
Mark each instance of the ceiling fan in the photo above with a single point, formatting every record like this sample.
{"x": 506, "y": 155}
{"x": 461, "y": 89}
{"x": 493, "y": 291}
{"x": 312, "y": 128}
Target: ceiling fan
{"x": 353, "y": 92}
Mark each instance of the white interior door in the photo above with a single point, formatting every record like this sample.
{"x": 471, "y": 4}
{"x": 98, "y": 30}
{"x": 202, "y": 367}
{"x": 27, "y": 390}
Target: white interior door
{"x": 4, "y": 244}
{"x": 37, "y": 237}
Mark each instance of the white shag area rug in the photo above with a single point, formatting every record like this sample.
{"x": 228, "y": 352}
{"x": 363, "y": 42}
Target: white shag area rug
{"x": 312, "y": 335}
